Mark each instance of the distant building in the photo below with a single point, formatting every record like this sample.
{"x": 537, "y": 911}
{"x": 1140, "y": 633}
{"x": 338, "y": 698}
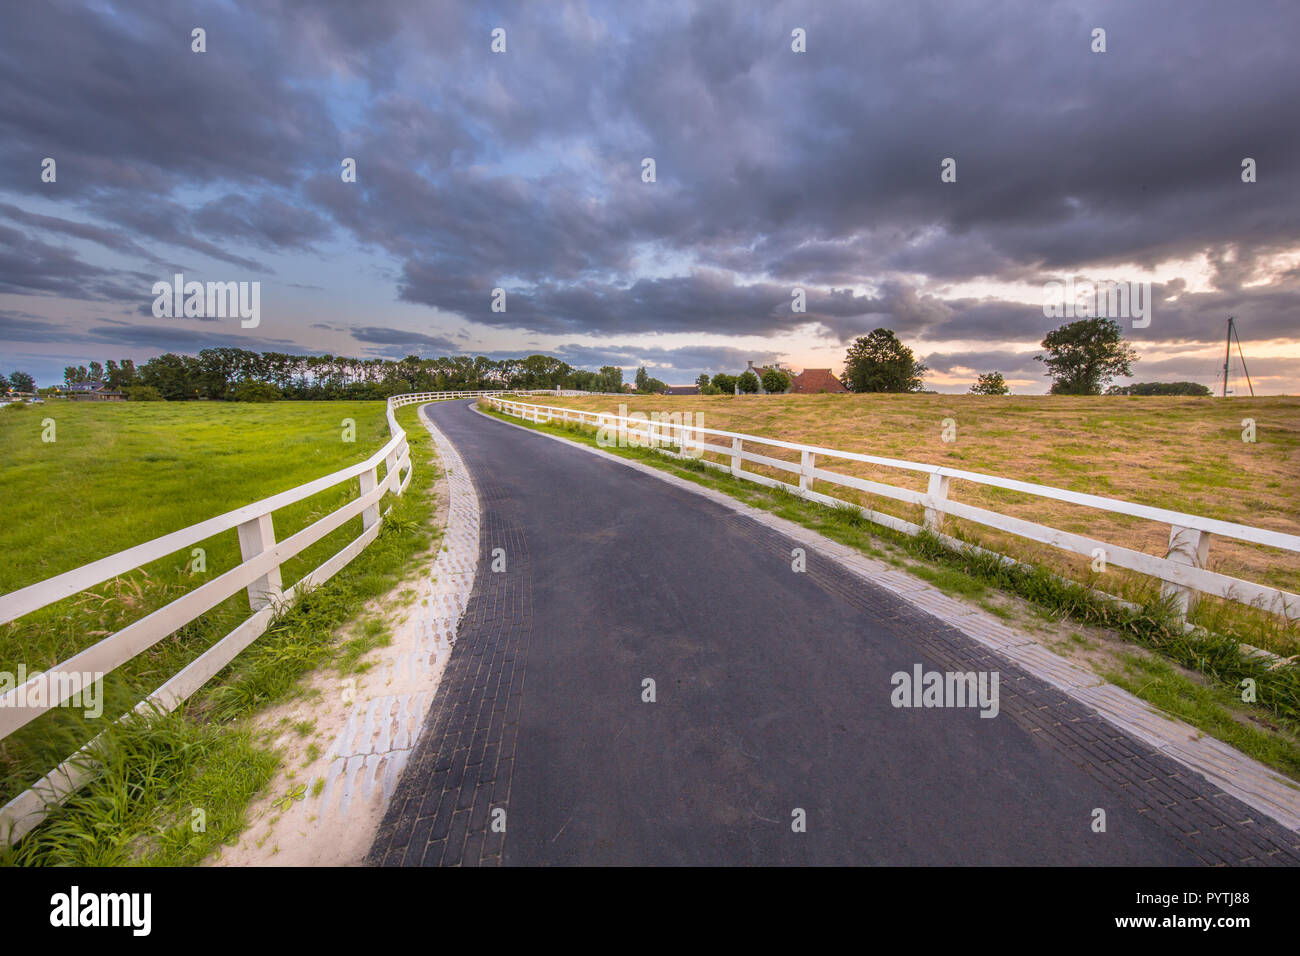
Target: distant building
{"x": 681, "y": 390}
{"x": 813, "y": 380}
{"x": 91, "y": 392}
{"x": 759, "y": 370}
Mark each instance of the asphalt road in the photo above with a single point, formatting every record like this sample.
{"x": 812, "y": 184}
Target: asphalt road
{"x": 772, "y": 695}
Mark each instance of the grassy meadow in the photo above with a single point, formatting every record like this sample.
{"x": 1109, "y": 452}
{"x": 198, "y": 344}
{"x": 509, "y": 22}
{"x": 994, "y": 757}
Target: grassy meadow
{"x": 1184, "y": 454}
{"x": 121, "y": 474}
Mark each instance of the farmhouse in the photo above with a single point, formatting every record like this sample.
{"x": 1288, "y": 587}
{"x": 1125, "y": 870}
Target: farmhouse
{"x": 813, "y": 380}
{"x": 92, "y": 392}
{"x": 810, "y": 381}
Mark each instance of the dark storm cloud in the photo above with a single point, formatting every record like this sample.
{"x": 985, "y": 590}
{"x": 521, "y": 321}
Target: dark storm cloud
{"x": 114, "y": 239}
{"x": 31, "y": 267}
{"x": 264, "y": 221}
{"x": 167, "y": 338}
{"x": 395, "y": 342}
{"x": 678, "y": 304}
{"x": 775, "y": 169}
{"x": 26, "y": 327}
{"x": 115, "y": 95}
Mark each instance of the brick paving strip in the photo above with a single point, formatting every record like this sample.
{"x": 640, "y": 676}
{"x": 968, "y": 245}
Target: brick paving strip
{"x": 369, "y": 754}
{"x": 773, "y": 695}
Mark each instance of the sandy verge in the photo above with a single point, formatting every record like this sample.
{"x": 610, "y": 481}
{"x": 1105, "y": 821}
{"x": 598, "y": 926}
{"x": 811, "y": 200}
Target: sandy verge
{"x": 345, "y": 741}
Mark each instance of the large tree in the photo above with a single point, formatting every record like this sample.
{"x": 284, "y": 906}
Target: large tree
{"x": 22, "y": 382}
{"x": 775, "y": 381}
{"x": 879, "y": 362}
{"x": 1082, "y": 357}
{"x": 176, "y": 377}
{"x": 609, "y": 379}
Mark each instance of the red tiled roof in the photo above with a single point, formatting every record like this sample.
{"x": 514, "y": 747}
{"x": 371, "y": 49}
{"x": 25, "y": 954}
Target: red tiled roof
{"x": 813, "y": 380}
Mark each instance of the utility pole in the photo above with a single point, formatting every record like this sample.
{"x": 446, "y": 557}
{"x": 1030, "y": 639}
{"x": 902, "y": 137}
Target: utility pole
{"x": 1227, "y": 357}
{"x": 1227, "y": 354}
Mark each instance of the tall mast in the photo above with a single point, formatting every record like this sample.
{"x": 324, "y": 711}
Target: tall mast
{"x": 1227, "y": 355}
{"x": 1232, "y": 325}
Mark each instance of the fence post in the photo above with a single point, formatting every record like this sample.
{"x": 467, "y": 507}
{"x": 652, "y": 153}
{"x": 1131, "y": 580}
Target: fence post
{"x": 807, "y": 462}
{"x": 390, "y": 462}
{"x": 1190, "y": 547}
{"x": 736, "y": 462}
{"x": 936, "y": 491}
{"x": 256, "y": 536}
{"x": 369, "y": 481}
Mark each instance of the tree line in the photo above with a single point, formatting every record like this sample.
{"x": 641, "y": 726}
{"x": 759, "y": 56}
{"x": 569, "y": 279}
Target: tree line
{"x": 235, "y": 374}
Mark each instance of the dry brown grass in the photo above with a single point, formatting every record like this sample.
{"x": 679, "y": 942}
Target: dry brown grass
{"x": 1184, "y": 454}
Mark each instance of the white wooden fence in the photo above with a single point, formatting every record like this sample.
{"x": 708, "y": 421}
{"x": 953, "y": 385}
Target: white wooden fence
{"x": 1182, "y": 570}
{"x": 259, "y": 574}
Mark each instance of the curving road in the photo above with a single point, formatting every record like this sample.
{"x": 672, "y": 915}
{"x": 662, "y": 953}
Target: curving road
{"x": 772, "y": 695}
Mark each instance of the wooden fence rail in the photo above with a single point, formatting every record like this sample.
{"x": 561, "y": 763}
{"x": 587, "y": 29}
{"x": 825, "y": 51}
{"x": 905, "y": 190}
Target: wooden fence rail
{"x": 258, "y": 574}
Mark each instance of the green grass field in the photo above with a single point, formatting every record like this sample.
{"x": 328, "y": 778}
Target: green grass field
{"x": 121, "y": 474}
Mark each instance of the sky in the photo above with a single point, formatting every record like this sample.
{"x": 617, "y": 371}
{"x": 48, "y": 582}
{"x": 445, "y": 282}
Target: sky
{"x": 774, "y": 169}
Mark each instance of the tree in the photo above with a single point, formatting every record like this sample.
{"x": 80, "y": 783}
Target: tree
{"x": 991, "y": 383}
{"x": 647, "y": 385}
{"x": 775, "y": 381}
{"x": 22, "y": 382}
{"x": 748, "y": 382}
{"x": 609, "y": 379}
{"x": 121, "y": 376}
{"x": 1160, "y": 388}
{"x": 879, "y": 362}
{"x": 175, "y": 376}
{"x": 726, "y": 384}
{"x": 1083, "y": 356}
{"x": 703, "y": 381}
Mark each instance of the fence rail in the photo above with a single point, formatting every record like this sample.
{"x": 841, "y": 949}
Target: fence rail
{"x": 1182, "y": 570}
{"x": 258, "y": 574}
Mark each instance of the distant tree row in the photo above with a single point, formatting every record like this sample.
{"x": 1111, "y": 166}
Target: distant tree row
{"x": 1160, "y": 388}
{"x": 239, "y": 374}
